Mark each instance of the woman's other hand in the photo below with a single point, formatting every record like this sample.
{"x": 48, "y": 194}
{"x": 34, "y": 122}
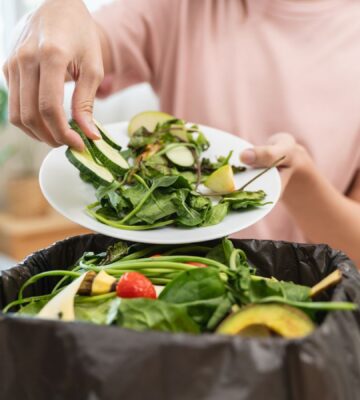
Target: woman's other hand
{"x": 279, "y": 145}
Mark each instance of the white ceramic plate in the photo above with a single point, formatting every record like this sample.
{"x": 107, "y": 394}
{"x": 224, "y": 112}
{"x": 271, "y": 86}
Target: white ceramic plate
{"x": 69, "y": 195}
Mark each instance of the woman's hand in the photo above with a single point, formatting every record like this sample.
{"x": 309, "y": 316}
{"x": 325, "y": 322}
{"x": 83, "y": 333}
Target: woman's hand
{"x": 60, "y": 39}
{"x": 323, "y": 213}
{"x": 281, "y": 144}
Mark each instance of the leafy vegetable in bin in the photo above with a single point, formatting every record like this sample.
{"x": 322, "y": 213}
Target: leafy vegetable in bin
{"x": 189, "y": 289}
{"x": 155, "y": 182}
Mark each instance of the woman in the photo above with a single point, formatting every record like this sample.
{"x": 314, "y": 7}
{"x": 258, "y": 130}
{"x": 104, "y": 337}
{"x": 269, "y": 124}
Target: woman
{"x": 254, "y": 68}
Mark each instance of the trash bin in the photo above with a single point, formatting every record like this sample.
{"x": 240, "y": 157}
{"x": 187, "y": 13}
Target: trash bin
{"x": 43, "y": 359}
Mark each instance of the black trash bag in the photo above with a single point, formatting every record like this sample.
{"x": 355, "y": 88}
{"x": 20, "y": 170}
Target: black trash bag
{"x": 53, "y": 360}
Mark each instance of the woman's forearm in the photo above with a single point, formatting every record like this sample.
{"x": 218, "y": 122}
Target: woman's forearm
{"x": 324, "y": 214}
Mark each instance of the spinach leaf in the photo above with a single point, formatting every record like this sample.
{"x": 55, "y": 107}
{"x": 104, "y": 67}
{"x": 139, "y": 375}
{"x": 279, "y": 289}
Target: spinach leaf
{"x": 157, "y": 207}
{"x": 165, "y": 181}
{"x": 188, "y": 175}
{"x": 186, "y": 216}
{"x": 145, "y": 314}
{"x": 110, "y": 196}
{"x": 216, "y": 214}
{"x": 192, "y": 285}
{"x": 103, "y": 312}
{"x": 135, "y": 193}
{"x": 201, "y": 291}
{"x": 261, "y": 288}
{"x": 245, "y": 199}
{"x": 199, "y": 202}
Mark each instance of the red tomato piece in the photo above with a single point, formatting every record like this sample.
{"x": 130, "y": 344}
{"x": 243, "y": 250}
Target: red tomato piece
{"x": 134, "y": 284}
{"x": 196, "y": 264}
{"x": 155, "y": 255}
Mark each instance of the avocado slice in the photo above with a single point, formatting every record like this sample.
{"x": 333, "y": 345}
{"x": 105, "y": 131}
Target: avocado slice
{"x": 264, "y": 319}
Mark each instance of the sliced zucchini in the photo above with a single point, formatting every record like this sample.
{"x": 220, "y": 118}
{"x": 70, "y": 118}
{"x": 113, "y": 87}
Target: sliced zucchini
{"x": 101, "y": 151}
{"x": 107, "y": 137}
{"x": 109, "y": 157}
{"x": 180, "y": 156}
{"x": 148, "y": 120}
{"x": 74, "y": 126}
{"x": 88, "y": 168}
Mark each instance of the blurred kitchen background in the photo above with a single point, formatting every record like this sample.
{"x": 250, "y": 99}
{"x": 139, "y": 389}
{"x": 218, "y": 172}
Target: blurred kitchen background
{"x": 26, "y": 221}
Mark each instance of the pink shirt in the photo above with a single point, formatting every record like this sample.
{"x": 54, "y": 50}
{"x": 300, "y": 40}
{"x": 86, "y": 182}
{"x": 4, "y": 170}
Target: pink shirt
{"x": 252, "y": 68}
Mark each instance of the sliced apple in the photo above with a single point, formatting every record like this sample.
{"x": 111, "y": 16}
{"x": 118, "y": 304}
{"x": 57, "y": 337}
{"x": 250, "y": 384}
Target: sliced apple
{"x": 221, "y": 180}
{"x": 263, "y": 319}
{"x": 148, "y": 120}
{"x": 61, "y": 306}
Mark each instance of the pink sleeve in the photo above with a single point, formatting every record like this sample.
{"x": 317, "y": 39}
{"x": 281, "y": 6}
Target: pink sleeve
{"x": 135, "y": 29}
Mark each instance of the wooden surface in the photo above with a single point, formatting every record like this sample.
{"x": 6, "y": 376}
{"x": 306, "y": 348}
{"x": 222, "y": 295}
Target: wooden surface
{"x": 20, "y": 237}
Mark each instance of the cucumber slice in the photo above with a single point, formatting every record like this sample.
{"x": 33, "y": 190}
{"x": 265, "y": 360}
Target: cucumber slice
{"x": 93, "y": 172}
{"x": 107, "y": 137}
{"x": 109, "y": 157}
{"x": 74, "y": 126}
{"x": 181, "y": 156}
{"x": 148, "y": 120}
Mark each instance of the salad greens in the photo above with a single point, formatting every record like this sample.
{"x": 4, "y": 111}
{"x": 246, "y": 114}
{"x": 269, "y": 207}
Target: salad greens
{"x": 197, "y": 288}
{"x": 155, "y": 181}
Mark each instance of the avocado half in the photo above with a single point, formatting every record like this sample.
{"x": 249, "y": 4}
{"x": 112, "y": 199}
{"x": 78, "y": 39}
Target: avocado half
{"x": 261, "y": 320}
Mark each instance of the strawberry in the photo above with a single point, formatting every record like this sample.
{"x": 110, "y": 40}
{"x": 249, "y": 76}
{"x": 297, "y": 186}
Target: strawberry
{"x": 196, "y": 264}
{"x": 134, "y": 284}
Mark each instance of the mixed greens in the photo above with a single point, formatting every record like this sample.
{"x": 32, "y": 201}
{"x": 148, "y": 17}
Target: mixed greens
{"x": 157, "y": 180}
{"x": 189, "y": 289}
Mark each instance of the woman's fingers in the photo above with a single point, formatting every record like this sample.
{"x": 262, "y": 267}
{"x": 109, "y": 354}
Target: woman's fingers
{"x": 12, "y": 76}
{"x": 50, "y": 100}
{"x": 280, "y": 144}
{"x": 29, "y": 73}
{"x": 83, "y": 99}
